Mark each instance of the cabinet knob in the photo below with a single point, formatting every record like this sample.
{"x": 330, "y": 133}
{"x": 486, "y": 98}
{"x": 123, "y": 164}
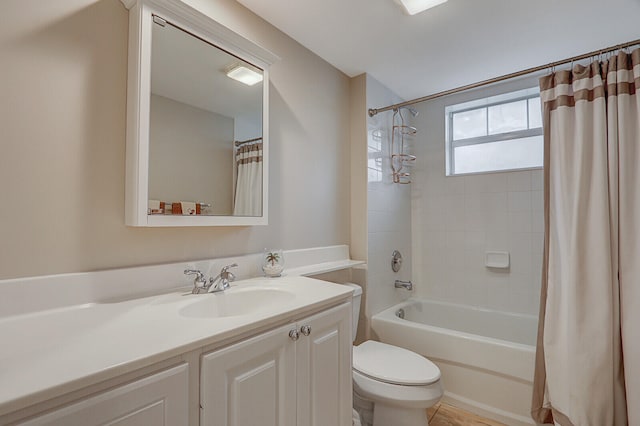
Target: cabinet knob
{"x": 294, "y": 335}
{"x": 306, "y": 330}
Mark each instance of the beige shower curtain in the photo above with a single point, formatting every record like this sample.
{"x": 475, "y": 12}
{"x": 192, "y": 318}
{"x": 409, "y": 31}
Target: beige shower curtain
{"x": 248, "y": 194}
{"x": 588, "y": 354}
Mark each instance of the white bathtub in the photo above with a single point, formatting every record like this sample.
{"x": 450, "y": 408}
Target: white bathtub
{"x": 486, "y": 357}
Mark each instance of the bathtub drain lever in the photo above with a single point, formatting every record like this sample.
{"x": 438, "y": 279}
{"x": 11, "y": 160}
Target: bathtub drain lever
{"x": 404, "y": 284}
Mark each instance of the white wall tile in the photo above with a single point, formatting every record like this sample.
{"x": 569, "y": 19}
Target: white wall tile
{"x": 474, "y": 212}
{"x": 520, "y": 242}
{"x": 520, "y": 221}
{"x": 435, "y": 239}
{"x": 498, "y": 293}
{"x": 537, "y": 243}
{"x": 498, "y": 214}
{"x": 501, "y": 211}
{"x": 520, "y": 263}
{"x": 498, "y": 240}
{"x": 497, "y": 221}
{"x": 536, "y": 267}
{"x": 488, "y": 182}
{"x": 476, "y": 293}
{"x": 525, "y": 302}
{"x": 432, "y": 215}
{"x": 537, "y": 201}
{"x": 375, "y": 221}
{"x": 519, "y": 181}
{"x": 537, "y": 180}
{"x": 475, "y": 239}
{"x": 453, "y": 259}
{"x": 453, "y": 185}
{"x": 495, "y": 211}
{"x": 390, "y": 209}
{"x": 455, "y": 240}
{"x": 519, "y": 201}
{"x": 537, "y": 222}
{"x": 453, "y": 212}
{"x": 375, "y": 201}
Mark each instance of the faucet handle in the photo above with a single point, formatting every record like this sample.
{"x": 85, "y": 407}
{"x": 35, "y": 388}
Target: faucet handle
{"x": 223, "y": 279}
{"x": 199, "y": 281}
{"x": 195, "y": 272}
{"x": 226, "y": 268}
{"x": 227, "y": 276}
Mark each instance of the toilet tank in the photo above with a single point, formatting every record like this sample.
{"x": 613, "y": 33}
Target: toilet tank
{"x": 357, "y": 297}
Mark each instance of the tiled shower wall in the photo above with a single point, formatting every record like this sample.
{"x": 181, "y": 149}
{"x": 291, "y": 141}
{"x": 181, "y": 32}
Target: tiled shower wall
{"x": 388, "y": 210}
{"x": 456, "y": 220}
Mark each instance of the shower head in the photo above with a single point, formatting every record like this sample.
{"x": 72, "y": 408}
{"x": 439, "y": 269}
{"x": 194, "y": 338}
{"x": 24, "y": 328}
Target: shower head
{"x": 411, "y": 110}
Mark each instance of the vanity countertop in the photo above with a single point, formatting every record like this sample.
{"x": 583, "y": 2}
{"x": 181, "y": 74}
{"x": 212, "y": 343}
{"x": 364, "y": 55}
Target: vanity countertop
{"x": 45, "y": 354}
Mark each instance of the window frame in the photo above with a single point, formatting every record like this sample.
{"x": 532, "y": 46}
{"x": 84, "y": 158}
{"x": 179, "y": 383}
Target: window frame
{"x": 486, "y": 103}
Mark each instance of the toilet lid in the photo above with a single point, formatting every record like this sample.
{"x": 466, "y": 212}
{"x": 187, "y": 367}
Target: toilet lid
{"x": 391, "y": 364}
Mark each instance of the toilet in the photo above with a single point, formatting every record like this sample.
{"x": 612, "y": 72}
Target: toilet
{"x": 392, "y": 386}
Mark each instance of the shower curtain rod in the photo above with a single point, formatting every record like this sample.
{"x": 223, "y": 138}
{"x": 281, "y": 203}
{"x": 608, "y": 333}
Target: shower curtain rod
{"x": 374, "y": 111}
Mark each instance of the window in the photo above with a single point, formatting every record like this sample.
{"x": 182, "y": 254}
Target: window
{"x": 495, "y": 134}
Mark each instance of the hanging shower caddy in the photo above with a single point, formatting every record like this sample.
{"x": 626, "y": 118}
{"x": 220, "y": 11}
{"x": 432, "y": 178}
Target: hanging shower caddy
{"x": 400, "y": 159}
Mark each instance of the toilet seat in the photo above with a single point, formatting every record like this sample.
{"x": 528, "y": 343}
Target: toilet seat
{"x": 393, "y": 365}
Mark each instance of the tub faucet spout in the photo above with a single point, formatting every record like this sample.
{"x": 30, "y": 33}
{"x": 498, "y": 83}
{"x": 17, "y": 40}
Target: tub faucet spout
{"x": 408, "y": 285}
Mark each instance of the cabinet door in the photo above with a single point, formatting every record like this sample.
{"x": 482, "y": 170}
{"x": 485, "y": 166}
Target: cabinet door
{"x": 323, "y": 361}
{"x": 160, "y": 399}
{"x": 251, "y": 383}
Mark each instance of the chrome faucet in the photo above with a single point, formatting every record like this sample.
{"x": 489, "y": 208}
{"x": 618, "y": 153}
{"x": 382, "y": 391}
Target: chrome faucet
{"x": 199, "y": 282}
{"x": 404, "y": 284}
{"x": 223, "y": 279}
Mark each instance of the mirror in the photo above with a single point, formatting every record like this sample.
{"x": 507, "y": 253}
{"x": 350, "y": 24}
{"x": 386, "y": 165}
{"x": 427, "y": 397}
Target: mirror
{"x": 197, "y": 142}
{"x": 205, "y": 128}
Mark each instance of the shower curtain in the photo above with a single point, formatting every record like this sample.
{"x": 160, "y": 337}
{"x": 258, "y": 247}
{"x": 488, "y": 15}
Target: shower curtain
{"x": 248, "y": 194}
{"x": 588, "y": 353}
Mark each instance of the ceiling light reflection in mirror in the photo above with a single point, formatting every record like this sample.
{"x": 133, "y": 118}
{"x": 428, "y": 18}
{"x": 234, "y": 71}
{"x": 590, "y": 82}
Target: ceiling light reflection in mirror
{"x": 413, "y": 7}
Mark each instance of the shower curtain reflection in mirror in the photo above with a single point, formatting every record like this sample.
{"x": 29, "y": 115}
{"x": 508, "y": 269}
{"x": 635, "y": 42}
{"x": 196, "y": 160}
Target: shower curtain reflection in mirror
{"x": 248, "y": 194}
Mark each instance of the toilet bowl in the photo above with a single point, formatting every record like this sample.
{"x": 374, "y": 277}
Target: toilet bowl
{"x": 392, "y": 386}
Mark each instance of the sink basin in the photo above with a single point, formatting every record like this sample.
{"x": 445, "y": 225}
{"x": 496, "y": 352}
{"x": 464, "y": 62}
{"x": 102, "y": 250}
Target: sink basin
{"x": 235, "y": 302}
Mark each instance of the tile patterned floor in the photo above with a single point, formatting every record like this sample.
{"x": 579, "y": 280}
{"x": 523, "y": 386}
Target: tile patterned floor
{"x": 447, "y": 415}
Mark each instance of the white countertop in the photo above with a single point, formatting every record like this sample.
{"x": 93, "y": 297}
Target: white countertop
{"x": 322, "y": 268}
{"x": 47, "y": 353}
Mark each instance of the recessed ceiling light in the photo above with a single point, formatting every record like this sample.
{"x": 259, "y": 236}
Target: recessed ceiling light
{"x": 244, "y": 75}
{"x": 416, "y": 6}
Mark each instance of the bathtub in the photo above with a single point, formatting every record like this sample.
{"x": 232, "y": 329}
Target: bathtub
{"x": 486, "y": 357}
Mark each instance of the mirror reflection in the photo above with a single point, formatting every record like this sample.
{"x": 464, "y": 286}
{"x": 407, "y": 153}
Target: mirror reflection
{"x": 205, "y": 132}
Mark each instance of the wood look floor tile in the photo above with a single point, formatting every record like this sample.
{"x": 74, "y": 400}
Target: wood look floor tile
{"x": 446, "y": 415}
{"x": 431, "y": 412}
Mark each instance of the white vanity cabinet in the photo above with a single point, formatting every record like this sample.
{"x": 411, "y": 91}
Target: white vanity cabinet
{"x": 295, "y": 375}
{"x": 158, "y": 399}
{"x": 283, "y": 361}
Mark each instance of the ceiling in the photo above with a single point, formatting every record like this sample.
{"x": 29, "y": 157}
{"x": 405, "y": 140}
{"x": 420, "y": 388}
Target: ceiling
{"x": 457, "y": 43}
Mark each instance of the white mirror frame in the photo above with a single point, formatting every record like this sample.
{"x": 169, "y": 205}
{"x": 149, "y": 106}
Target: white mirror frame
{"x": 138, "y": 106}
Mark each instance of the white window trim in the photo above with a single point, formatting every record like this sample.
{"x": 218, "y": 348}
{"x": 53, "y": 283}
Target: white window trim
{"x": 486, "y": 103}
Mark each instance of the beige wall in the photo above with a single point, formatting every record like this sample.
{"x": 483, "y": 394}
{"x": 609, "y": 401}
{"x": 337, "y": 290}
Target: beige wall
{"x": 62, "y": 115}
